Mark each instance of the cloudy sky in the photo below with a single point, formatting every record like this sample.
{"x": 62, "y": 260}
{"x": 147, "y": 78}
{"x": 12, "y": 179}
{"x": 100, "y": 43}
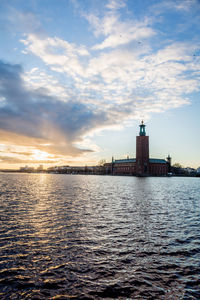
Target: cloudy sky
{"x": 77, "y": 77}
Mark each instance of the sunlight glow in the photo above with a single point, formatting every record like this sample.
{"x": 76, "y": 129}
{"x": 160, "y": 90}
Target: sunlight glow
{"x": 40, "y": 155}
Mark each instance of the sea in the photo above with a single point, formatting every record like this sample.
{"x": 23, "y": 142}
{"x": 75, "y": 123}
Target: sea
{"x": 99, "y": 237}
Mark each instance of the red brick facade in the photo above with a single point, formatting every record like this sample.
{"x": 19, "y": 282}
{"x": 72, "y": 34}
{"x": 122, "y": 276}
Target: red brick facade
{"x": 142, "y": 155}
{"x": 142, "y": 165}
{"x": 158, "y": 168}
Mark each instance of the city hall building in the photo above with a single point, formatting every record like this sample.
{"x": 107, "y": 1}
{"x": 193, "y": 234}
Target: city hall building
{"x": 142, "y": 165}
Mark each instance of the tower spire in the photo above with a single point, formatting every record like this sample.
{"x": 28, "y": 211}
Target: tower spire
{"x": 142, "y": 129}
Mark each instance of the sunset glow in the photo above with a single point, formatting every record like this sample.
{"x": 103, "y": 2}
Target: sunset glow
{"x": 78, "y": 77}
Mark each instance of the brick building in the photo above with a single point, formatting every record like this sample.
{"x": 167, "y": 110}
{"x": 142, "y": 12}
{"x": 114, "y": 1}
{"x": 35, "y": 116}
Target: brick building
{"x": 142, "y": 165}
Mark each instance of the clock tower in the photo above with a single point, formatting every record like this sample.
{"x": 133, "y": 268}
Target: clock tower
{"x": 142, "y": 152}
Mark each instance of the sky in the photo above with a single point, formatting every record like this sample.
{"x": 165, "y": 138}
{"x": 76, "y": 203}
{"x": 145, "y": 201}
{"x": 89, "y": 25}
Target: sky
{"x": 78, "y": 76}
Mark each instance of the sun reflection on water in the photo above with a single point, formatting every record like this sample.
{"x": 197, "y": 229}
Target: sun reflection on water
{"x": 98, "y": 236}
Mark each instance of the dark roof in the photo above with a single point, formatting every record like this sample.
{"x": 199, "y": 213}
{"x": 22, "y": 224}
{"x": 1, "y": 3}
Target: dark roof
{"x": 157, "y": 161}
{"x": 133, "y": 160}
{"x": 126, "y": 160}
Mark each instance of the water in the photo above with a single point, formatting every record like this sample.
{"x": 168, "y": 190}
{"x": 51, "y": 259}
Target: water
{"x": 99, "y": 237}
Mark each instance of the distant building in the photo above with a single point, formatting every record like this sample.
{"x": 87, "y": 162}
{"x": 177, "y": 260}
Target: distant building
{"x": 27, "y": 169}
{"x": 40, "y": 168}
{"x": 142, "y": 165}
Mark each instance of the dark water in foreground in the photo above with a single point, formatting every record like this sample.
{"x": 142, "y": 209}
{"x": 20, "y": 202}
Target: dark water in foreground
{"x": 98, "y": 237}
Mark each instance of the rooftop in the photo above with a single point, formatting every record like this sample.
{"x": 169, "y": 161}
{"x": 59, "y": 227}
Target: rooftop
{"x": 125, "y": 160}
{"x": 133, "y": 160}
{"x": 157, "y": 161}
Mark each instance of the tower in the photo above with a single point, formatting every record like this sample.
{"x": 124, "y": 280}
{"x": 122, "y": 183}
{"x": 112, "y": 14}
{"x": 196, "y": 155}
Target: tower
{"x": 169, "y": 161}
{"x": 142, "y": 151}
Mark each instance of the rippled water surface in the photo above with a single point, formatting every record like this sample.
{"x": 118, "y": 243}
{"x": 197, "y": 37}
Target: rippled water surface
{"x": 98, "y": 237}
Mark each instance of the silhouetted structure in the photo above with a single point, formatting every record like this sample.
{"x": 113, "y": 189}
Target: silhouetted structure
{"x": 142, "y": 165}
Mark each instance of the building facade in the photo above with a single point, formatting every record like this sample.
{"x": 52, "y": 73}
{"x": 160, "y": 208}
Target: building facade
{"x": 142, "y": 165}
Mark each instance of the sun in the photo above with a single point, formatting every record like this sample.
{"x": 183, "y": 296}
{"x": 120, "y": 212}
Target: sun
{"x": 40, "y": 155}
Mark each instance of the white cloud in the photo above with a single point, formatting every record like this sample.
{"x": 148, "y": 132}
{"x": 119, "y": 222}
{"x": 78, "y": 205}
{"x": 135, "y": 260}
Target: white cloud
{"x": 163, "y": 8}
{"x": 118, "y": 32}
{"x": 116, "y": 4}
{"x": 56, "y": 52}
{"x": 123, "y": 37}
{"x": 117, "y": 76}
{"x": 118, "y": 82}
{"x": 180, "y": 5}
{"x": 37, "y": 79}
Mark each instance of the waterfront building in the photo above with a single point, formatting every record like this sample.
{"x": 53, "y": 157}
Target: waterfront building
{"x": 27, "y": 169}
{"x": 40, "y": 168}
{"x": 142, "y": 165}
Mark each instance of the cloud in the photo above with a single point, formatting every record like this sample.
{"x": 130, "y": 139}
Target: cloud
{"x": 16, "y": 152}
{"x": 115, "y": 4}
{"x": 185, "y": 5}
{"x": 15, "y": 21}
{"x": 125, "y": 76}
{"x": 123, "y": 36}
{"x": 187, "y": 8}
{"x": 56, "y": 52}
{"x": 16, "y": 160}
{"x": 26, "y": 21}
{"x": 35, "y": 115}
{"x": 117, "y": 32}
{"x": 116, "y": 74}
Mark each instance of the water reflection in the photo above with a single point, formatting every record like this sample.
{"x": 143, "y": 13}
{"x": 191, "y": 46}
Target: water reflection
{"x": 99, "y": 237}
